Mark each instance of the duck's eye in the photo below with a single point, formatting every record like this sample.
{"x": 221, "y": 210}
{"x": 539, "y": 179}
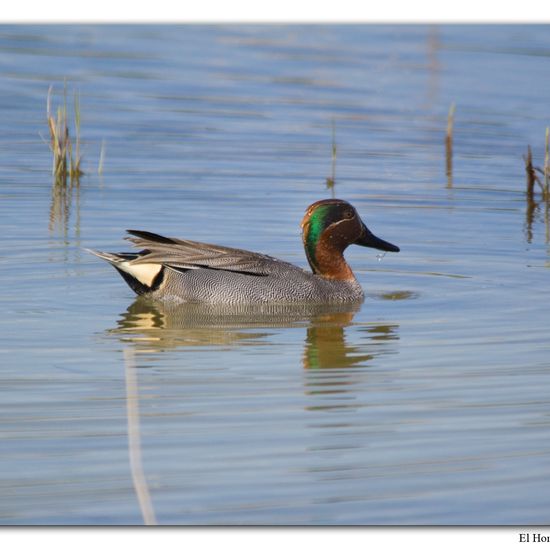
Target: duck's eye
{"x": 348, "y": 214}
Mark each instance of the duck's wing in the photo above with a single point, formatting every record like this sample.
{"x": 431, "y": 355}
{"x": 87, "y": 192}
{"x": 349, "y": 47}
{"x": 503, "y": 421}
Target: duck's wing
{"x": 182, "y": 254}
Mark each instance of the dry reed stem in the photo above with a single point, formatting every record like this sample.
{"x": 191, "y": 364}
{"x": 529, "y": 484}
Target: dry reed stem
{"x": 101, "y": 159}
{"x": 449, "y": 145}
{"x": 331, "y": 181}
{"x": 531, "y": 173}
{"x": 547, "y": 165}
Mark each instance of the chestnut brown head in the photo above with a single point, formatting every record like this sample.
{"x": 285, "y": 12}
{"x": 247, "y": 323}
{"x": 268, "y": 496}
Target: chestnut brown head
{"x": 328, "y": 228}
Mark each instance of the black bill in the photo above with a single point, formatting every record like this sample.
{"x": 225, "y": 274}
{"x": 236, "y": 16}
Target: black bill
{"x": 372, "y": 241}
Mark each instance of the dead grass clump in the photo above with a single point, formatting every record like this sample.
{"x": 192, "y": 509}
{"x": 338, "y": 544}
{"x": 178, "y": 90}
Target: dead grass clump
{"x": 66, "y": 153}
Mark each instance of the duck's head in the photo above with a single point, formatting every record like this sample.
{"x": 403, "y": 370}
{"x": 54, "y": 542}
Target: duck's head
{"x": 328, "y": 228}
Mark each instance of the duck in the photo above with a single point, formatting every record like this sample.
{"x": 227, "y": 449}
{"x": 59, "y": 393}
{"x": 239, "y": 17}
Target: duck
{"x": 180, "y": 270}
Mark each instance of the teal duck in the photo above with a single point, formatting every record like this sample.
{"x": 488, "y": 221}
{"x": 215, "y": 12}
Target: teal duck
{"x": 187, "y": 271}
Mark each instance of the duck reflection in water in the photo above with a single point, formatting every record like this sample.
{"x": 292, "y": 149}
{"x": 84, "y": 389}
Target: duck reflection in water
{"x": 326, "y": 345}
{"x": 157, "y": 326}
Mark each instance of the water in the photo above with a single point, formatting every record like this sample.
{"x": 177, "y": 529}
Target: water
{"x": 427, "y": 404}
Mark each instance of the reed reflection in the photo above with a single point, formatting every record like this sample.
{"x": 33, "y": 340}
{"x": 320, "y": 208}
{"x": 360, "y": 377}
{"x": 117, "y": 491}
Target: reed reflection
{"x": 65, "y": 200}
{"x": 536, "y": 211}
{"x": 139, "y": 480}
